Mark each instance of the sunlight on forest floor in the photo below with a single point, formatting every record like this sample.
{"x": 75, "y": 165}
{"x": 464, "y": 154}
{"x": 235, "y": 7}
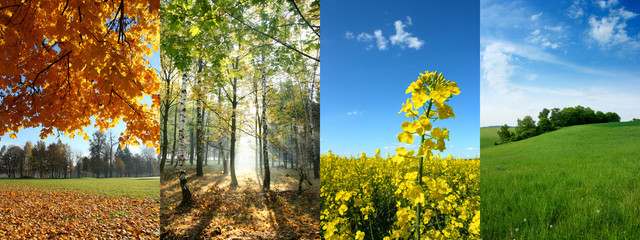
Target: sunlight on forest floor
{"x": 243, "y": 213}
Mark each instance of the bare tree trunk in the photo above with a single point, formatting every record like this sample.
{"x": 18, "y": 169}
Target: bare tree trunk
{"x": 186, "y": 193}
{"x": 206, "y": 140}
{"x": 199, "y": 122}
{"x": 232, "y": 147}
{"x": 175, "y": 132}
{"x": 192, "y": 140}
{"x": 265, "y": 153}
{"x": 258, "y": 158}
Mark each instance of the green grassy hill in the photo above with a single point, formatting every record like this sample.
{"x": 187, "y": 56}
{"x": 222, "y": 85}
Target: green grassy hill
{"x": 579, "y": 182}
{"x": 488, "y": 136}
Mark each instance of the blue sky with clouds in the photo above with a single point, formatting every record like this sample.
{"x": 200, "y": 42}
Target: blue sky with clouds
{"x": 372, "y": 50}
{"x": 78, "y": 144}
{"x": 546, "y": 54}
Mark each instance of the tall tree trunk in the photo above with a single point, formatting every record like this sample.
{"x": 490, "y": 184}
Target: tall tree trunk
{"x": 192, "y": 140}
{"x": 199, "y": 122}
{"x": 186, "y": 193}
{"x": 232, "y": 147}
{"x": 258, "y": 158}
{"x": 265, "y": 153}
{"x": 222, "y": 139}
{"x": 165, "y": 141}
{"x": 313, "y": 156}
{"x": 175, "y": 132}
{"x": 206, "y": 135}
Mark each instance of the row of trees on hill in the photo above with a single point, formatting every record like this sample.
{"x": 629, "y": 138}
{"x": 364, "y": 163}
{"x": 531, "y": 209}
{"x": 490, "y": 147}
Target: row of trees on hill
{"x": 57, "y": 160}
{"x": 549, "y": 120}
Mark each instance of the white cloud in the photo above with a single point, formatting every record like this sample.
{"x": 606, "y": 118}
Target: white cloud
{"x": 495, "y": 65}
{"x": 543, "y": 39}
{"x": 364, "y": 37}
{"x": 381, "y": 41}
{"x": 607, "y": 4}
{"x": 575, "y": 11}
{"x": 355, "y": 113}
{"x": 404, "y": 39}
{"x": 472, "y": 149}
{"x": 401, "y": 38}
{"x": 626, "y": 15}
{"x": 553, "y": 28}
{"x": 610, "y": 30}
{"x": 348, "y": 35}
{"x": 536, "y": 16}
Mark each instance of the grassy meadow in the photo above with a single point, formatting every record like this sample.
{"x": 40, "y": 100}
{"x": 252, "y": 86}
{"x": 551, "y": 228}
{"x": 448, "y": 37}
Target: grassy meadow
{"x": 579, "y": 182}
{"x": 110, "y": 187}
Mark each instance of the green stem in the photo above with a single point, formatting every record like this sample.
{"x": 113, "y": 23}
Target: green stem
{"x": 419, "y": 180}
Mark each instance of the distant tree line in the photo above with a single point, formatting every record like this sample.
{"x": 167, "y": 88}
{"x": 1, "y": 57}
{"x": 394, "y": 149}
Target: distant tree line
{"x": 553, "y": 119}
{"x": 56, "y": 160}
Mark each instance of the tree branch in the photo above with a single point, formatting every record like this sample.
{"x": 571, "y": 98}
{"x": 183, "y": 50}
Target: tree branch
{"x": 305, "y": 20}
{"x": 273, "y": 38}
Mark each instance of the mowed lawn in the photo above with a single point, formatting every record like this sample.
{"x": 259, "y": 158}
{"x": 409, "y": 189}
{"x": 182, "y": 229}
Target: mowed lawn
{"x": 579, "y": 182}
{"x": 111, "y": 187}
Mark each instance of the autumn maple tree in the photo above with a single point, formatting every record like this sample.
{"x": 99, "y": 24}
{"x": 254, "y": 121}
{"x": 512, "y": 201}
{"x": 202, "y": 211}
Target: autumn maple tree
{"x": 66, "y": 63}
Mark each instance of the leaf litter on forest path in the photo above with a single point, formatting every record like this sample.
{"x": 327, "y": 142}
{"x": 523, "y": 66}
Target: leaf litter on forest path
{"x": 243, "y": 213}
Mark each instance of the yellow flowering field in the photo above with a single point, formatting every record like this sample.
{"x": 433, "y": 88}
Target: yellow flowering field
{"x": 408, "y": 195}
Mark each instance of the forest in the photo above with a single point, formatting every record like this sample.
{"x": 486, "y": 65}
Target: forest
{"x": 224, "y": 76}
{"x": 57, "y": 160}
{"x": 239, "y": 110}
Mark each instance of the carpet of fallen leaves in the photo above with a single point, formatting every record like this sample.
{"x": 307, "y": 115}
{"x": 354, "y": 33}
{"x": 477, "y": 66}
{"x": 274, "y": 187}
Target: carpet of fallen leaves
{"x": 39, "y": 213}
{"x": 242, "y": 213}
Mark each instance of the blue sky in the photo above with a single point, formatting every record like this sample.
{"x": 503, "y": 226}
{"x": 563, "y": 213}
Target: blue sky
{"x": 372, "y": 50}
{"x": 547, "y": 54}
{"x": 78, "y": 144}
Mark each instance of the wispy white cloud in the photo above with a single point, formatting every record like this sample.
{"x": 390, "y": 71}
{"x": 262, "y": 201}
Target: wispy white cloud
{"x": 553, "y": 28}
{"x": 472, "y": 149}
{"x": 355, "y": 113}
{"x": 536, "y": 16}
{"x": 348, "y": 35}
{"x": 576, "y": 10}
{"x": 607, "y": 4}
{"x": 400, "y": 38}
{"x": 542, "y": 39}
{"x": 404, "y": 39}
{"x": 364, "y": 37}
{"x": 380, "y": 40}
{"x": 495, "y": 66}
{"x": 611, "y": 30}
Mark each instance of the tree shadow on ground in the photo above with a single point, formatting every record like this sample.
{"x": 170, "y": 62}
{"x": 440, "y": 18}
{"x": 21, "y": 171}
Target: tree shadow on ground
{"x": 243, "y": 213}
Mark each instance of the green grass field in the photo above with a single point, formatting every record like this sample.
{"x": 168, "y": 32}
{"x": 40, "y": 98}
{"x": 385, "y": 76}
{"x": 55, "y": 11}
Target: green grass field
{"x": 579, "y": 182}
{"x": 112, "y": 187}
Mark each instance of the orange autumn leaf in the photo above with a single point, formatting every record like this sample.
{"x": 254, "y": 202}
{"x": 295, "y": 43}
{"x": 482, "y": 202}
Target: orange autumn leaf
{"x": 64, "y": 63}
